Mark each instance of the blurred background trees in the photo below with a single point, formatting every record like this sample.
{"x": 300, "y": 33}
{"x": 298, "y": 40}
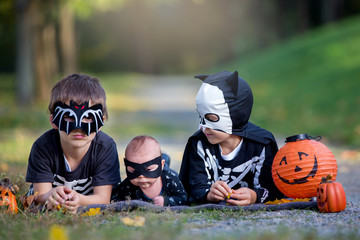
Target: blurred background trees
{"x": 42, "y": 38}
{"x": 301, "y": 58}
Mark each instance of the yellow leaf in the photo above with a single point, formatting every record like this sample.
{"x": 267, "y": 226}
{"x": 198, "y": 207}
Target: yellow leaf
{"x": 57, "y": 232}
{"x": 284, "y": 200}
{"x": 137, "y": 221}
{"x": 91, "y": 212}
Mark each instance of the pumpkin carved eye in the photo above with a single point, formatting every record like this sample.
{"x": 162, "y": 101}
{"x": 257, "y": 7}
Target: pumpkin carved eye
{"x": 283, "y": 160}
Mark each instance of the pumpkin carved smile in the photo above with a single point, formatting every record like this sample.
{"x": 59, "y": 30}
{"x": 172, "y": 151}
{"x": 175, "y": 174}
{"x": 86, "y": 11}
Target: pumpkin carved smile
{"x": 298, "y": 169}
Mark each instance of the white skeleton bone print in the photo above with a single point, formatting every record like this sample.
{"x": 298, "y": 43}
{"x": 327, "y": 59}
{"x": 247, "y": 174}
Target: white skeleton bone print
{"x": 83, "y": 186}
{"x": 228, "y": 175}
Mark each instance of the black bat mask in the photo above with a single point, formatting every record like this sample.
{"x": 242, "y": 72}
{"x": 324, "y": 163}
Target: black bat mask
{"x": 141, "y": 169}
{"x": 68, "y": 118}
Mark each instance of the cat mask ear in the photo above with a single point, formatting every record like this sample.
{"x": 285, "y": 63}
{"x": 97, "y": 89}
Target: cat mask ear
{"x": 201, "y": 77}
{"x": 233, "y": 82}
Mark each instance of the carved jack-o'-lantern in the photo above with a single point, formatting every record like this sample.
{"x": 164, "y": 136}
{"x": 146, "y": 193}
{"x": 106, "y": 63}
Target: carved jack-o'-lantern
{"x": 330, "y": 196}
{"x": 7, "y": 195}
{"x": 300, "y": 164}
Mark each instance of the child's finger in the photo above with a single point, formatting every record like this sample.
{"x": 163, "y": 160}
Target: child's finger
{"x": 223, "y": 188}
{"x": 238, "y": 202}
{"x": 51, "y": 203}
{"x": 55, "y": 199}
{"x": 220, "y": 195}
{"x": 71, "y": 194}
{"x": 70, "y": 208}
{"x": 61, "y": 195}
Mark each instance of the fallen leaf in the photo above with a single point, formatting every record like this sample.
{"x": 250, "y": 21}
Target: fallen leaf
{"x": 28, "y": 200}
{"x": 285, "y": 200}
{"x": 91, "y": 212}
{"x": 57, "y": 232}
{"x": 137, "y": 221}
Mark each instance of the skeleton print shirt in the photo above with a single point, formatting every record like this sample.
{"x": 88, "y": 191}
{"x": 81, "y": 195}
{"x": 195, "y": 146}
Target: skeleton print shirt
{"x": 173, "y": 191}
{"x": 203, "y": 165}
{"x": 100, "y": 165}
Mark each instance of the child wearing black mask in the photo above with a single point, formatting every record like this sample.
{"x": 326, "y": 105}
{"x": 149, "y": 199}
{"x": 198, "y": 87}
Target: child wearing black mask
{"x": 147, "y": 179}
{"x": 75, "y": 163}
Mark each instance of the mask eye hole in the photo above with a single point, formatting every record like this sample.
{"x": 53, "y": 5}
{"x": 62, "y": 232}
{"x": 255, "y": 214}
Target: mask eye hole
{"x": 130, "y": 169}
{"x": 212, "y": 117}
{"x": 88, "y": 119}
{"x": 68, "y": 118}
{"x": 152, "y": 167}
{"x": 199, "y": 114}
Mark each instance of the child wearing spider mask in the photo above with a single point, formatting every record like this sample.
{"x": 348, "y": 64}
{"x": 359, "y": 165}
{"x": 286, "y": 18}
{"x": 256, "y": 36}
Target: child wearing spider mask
{"x": 147, "y": 179}
{"x": 75, "y": 163}
{"x": 229, "y": 158}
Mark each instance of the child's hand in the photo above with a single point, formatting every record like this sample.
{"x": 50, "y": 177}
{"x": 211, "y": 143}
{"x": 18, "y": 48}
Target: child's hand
{"x": 73, "y": 202}
{"x": 218, "y": 191}
{"x": 159, "y": 201}
{"x": 57, "y": 196}
{"x": 242, "y": 196}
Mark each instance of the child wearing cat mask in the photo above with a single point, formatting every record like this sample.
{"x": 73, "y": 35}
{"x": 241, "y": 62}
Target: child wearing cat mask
{"x": 229, "y": 158}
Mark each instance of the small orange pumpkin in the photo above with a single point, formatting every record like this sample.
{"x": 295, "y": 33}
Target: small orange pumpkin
{"x": 330, "y": 196}
{"x": 7, "y": 195}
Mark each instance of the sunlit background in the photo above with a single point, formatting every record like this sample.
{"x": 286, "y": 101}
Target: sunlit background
{"x": 301, "y": 59}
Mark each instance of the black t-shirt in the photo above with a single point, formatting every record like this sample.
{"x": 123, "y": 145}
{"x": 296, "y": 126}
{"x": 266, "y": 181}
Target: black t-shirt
{"x": 99, "y": 166}
{"x": 203, "y": 164}
{"x": 172, "y": 190}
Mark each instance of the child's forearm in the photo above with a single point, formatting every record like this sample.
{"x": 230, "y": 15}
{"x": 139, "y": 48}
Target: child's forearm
{"x": 102, "y": 195}
{"x": 42, "y": 198}
{"x": 43, "y": 191}
{"x": 93, "y": 199}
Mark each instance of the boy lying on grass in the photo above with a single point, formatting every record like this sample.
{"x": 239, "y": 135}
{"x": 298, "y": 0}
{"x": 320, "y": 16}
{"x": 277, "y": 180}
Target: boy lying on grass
{"x": 74, "y": 164}
{"x": 229, "y": 158}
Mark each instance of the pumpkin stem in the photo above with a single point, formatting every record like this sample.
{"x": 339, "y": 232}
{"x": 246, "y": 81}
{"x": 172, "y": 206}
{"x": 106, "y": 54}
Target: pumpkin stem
{"x": 326, "y": 179}
{"x": 329, "y": 177}
{"x": 5, "y": 182}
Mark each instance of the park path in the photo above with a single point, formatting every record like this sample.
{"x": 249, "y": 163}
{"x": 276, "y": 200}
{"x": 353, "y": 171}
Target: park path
{"x": 170, "y": 100}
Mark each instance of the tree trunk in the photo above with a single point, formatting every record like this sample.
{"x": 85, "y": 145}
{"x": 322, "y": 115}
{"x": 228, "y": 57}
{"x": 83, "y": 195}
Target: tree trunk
{"x": 46, "y": 63}
{"x": 24, "y": 53}
{"x": 67, "y": 40}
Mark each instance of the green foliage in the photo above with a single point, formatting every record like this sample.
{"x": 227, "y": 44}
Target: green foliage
{"x": 309, "y": 84}
{"x": 84, "y": 9}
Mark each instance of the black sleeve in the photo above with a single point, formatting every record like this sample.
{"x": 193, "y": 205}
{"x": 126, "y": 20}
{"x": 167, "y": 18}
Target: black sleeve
{"x": 107, "y": 169}
{"x": 267, "y": 190}
{"x": 39, "y": 165}
{"x": 175, "y": 193}
{"x": 124, "y": 191}
{"x": 193, "y": 173}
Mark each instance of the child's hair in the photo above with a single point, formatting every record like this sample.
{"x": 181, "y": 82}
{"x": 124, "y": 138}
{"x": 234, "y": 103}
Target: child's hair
{"x": 79, "y": 88}
{"x": 138, "y": 142}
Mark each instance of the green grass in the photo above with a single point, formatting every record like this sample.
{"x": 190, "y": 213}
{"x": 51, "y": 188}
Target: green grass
{"x": 309, "y": 84}
{"x": 165, "y": 225}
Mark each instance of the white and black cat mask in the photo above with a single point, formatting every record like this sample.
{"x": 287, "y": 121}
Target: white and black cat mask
{"x": 75, "y": 114}
{"x": 229, "y": 98}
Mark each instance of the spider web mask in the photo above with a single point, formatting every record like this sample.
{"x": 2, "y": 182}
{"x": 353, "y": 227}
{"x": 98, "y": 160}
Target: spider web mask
{"x": 67, "y": 118}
